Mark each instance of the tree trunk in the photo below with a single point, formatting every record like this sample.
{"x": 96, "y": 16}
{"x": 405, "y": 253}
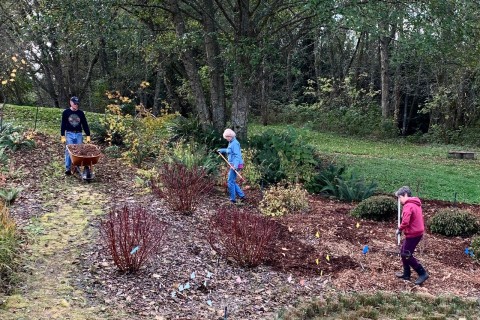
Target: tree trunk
{"x": 397, "y": 96}
{"x": 104, "y": 64}
{"x": 240, "y": 103}
{"x": 384, "y": 77}
{"x": 191, "y": 68}
{"x": 384, "y": 70}
{"x": 217, "y": 85}
{"x": 263, "y": 94}
{"x": 56, "y": 64}
{"x": 172, "y": 97}
{"x": 158, "y": 87}
{"x": 241, "y": 82}
{"x": 317, "y": 51}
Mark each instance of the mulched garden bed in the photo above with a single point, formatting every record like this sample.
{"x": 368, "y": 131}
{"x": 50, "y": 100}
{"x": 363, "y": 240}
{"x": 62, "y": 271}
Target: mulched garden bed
{"x": 319, "y": 252}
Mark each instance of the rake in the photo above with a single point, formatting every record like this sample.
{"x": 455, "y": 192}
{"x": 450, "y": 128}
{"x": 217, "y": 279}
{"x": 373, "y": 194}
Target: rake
{"x": 231, "y": 167}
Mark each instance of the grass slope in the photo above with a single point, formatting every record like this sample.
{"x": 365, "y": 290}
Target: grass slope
{"x": 425, "y": 168}
{"x": 40, "y": 118}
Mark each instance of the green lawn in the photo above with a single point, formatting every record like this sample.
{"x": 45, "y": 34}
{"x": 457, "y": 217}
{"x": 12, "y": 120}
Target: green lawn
{"x": 383, "y": 305}
{"x": 43, "y": 119}
{"x": 425, "y": 168}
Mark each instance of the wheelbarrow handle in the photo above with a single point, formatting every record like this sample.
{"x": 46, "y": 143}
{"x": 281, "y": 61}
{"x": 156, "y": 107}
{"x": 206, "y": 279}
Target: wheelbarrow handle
{"x": 231, "y": 167}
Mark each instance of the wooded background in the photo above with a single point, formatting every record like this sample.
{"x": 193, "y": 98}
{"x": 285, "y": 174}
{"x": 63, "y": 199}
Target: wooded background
{"x": 227, "y": 61}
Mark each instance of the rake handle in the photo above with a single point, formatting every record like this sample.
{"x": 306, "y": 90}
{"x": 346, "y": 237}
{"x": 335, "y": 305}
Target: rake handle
{"x": 231, "y": 167}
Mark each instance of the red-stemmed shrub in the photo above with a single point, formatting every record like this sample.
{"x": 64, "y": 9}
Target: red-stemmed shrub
{"x": 242, "y": 236}
{"x": 132, "y": 235}
{"x": 182, "y": 187}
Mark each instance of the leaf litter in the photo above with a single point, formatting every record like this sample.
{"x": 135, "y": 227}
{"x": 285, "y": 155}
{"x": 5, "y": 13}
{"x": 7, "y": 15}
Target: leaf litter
{"x": 319, "y": 252}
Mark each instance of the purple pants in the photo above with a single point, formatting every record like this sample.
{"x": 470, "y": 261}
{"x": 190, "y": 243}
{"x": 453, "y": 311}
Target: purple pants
{"x": 407, "y": 250}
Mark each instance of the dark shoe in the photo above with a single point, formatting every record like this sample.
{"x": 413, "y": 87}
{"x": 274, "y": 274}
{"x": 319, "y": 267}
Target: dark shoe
{"x": 68, "y": 173}
{"x": 405, "y": 275}
{"x": 243, "y": 199}
{"x": 422, "y": 275}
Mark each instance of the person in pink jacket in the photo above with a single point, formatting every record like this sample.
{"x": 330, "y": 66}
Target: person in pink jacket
{"x": 413, "y": 227}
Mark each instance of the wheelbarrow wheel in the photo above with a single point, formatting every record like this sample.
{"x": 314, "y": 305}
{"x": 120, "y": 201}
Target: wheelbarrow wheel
{"x": 88, "y": 173}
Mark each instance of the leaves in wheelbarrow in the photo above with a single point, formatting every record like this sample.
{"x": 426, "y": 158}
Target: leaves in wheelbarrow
{"x": 84, "y": 150}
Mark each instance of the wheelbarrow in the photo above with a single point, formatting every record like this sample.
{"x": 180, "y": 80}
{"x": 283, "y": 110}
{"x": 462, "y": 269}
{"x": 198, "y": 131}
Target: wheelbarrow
{"x": 82, "y": 165}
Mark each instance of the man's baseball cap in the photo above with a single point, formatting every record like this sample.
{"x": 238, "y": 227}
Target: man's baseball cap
{"x": 75, "y": 100}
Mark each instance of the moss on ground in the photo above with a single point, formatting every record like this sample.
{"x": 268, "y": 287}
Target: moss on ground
{"x": 48, "y": 291}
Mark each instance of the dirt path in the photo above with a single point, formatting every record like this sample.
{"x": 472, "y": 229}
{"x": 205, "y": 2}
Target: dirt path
{"x": 48, "y": 291}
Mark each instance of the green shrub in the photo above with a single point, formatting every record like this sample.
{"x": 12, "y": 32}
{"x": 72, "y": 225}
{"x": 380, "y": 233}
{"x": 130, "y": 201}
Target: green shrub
{"x": 100, "y": 133}
{"x": 3, "y": 156}
{"x": 376, "y": 208}
{"x": 182, "y": 128}
{"x": 475, "y": 248}
{"x": 454, "y": 222}
{"x": 191, "y": 154}
{"x": 280, "y": 200}
{"x": 13, "y": 138}
{"x": 113, "y": 151}
{"x": 324, "y": 177}
{"x": 283, "y": 156}
{"x": 350, "y": 188}
{"x": 251, "y": 171}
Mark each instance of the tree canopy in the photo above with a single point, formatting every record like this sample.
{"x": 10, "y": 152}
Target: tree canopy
{"x": 228, "y": 61}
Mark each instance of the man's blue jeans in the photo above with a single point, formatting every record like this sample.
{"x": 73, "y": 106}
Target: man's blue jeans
{"x": 233, "y": 187}
{"x": 72, "y": 138}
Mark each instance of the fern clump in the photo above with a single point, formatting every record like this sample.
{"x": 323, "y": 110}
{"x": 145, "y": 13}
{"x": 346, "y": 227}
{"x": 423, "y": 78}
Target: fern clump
{"x": 376, "y": 208}
{"x": 280, "y": 200}
{"x": 454, "y": 222}
{"x": 349, "y": 188}
{"x": 9, "y": 195}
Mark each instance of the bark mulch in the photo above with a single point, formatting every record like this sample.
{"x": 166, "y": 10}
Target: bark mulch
{"x": 318, "y": 252}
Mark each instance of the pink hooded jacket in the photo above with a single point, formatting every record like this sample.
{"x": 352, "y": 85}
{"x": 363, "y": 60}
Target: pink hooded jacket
{"x": 412, "y": 218}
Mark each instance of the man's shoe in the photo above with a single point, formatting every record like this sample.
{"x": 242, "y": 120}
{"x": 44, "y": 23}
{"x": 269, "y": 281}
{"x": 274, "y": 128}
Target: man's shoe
{"x": 243, "y": 199}
{"x": 68, "y": 173}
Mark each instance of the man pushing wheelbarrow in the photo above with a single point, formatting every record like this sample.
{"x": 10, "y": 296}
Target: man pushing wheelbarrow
{"x": 73, "y": 124}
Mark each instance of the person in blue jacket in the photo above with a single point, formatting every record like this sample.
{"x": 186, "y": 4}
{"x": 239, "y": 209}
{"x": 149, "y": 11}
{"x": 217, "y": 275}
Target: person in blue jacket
{"x": 236, "y": 163}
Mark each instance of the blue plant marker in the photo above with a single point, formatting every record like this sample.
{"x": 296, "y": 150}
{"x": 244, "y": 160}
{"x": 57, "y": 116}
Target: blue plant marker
{"x": 469, "y": 251}
{"x": 205, "y": 283}
{"x": 186, "y": 286}
{"x": 209, "y": 302}
{"x": 192, "y": 276}
{"x": 209, "y": 274}
{"x": 134, "y": 249}
{"x": 180, "y": 288}
{"x": 365, "y": 249}
{"x": 173, "y": 294}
